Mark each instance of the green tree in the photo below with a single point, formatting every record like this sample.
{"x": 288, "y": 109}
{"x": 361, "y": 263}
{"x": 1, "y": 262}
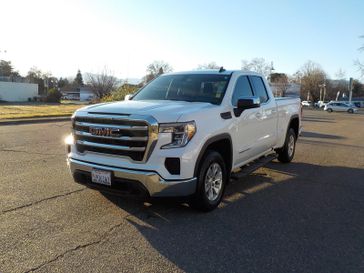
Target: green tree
{"x": 53, "y": 95}
{"x": 79, "y": 80}
{"x": 7, "y": 70}
{"x": 120, "y": 93}
{"x": 358, "y": 89}
{"x": 62, "y": 82}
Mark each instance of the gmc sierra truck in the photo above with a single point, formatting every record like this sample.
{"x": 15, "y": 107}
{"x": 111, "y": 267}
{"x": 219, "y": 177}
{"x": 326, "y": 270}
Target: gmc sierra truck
{"x": 183, "y": 134}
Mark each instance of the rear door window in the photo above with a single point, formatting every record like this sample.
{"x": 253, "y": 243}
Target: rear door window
{"x": 259, "y": 88}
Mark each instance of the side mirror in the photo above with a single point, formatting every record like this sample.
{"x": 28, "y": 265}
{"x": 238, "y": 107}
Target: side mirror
{"x": 128, "y": 97}
{"x": 246, "y": 103}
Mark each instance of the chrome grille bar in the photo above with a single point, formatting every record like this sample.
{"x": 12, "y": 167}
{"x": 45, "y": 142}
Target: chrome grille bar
{"x": 124, "y": 127}
{"x": 108, "y": 146}
{"x": 126, "y": 138}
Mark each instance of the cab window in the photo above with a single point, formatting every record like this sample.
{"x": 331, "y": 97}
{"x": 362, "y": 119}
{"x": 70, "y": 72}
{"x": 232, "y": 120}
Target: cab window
{"x": 242, "y": 89}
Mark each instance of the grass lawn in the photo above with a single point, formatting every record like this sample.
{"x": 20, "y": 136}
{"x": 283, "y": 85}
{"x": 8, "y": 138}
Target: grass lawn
{"x": 32, "y": 110}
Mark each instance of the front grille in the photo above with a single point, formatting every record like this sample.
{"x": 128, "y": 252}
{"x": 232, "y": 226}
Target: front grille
{"x": 115, "y": 135}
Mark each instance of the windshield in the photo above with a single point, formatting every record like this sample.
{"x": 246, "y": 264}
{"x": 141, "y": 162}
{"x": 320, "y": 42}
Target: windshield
{"x": 191, "y": 87}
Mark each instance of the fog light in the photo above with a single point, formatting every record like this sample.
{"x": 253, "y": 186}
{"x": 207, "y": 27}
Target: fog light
{"x": 173, "y": 165}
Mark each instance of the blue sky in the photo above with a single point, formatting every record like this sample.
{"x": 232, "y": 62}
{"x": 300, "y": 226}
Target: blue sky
{"x": 125, "y": 36}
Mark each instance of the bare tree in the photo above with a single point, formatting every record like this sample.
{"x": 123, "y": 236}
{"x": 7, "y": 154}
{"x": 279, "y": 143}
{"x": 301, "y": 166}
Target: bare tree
{"x": 358, "y": 63}
{"x": 340, "y": 74}
{"x": 280, "y": 84}
{"x": 102, "y": 83}
{"x": 210, "y": 65}
{"x": 296, "y": 77}
{"x": 155, "y": 69}
{"x": 312, "y": 77}
{"x": 259, "y": 65}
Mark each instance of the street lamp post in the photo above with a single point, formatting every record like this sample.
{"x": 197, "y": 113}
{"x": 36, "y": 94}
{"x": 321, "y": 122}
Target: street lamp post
{"x": 270, "y": 76}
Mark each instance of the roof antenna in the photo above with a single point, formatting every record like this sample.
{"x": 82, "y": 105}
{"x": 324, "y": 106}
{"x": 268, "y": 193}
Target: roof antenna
{"x": 222, "y": 69}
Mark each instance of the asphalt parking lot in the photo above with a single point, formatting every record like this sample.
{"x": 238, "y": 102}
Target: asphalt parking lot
{"x": 307, "y": 216}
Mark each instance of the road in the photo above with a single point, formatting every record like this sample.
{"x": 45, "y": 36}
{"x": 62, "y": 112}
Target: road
{"x": 307, "y": 216}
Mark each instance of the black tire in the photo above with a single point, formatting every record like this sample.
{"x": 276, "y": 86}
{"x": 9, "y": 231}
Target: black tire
{"x": 329, "y": 110}
{"x": 286, "y": 153}
{"x": 201, "y": 200}
{"x": 351, "y": 111}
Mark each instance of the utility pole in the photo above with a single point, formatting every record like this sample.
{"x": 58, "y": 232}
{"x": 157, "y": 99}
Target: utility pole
{"x": 350, "y": 89}
{"x": 270, "y": 78}
{"x": 323, "y": 99}
{"x": 320, "y": 85}
{"x": 271, "y": 71}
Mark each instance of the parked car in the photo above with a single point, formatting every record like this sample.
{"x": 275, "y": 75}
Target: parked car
{"x": 71, "y": 97}
{"x": 320, "y": 104}
{"x": 306, "y": 103}
{"x": 340, "y": 107}
{"x": 183, "y": 134}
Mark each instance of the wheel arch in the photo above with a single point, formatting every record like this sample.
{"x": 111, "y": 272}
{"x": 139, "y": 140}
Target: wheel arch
{"x": 294, "y": 123}
{"x": 217, "y": 143}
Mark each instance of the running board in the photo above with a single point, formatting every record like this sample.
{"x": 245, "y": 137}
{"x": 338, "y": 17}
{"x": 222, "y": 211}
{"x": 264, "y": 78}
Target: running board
{"x": 252, "y": 166}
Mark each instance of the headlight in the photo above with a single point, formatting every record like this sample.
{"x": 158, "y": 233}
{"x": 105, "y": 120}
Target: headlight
{"x": 69, "y": 140}
{"x": 181, "y": 132}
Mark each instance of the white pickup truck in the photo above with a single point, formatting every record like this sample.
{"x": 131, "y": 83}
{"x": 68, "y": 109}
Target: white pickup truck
{"x": 183, "y": 134}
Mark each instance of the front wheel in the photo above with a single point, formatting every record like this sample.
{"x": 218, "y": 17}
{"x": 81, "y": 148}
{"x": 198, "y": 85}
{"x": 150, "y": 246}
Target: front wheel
{"x": 212, "y": 179}
{"x": 351, "y": 111}
{"x": 286, "y": 153}
{"x": 329, "y": 110}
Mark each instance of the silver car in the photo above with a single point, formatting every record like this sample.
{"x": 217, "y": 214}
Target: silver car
{"x": 340, "y": 107}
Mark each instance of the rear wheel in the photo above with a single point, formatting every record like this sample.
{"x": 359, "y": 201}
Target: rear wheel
{"x": 351, "y": 111}
{"x": 286, "y": 153}
{"x": 212, "y": 179}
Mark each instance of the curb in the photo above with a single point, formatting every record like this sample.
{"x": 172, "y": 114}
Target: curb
{"x": 34, "y": 120}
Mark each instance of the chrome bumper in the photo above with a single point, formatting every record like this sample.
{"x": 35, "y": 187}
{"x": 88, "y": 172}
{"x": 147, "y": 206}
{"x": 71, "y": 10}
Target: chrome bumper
{"x": 154, "y": 184}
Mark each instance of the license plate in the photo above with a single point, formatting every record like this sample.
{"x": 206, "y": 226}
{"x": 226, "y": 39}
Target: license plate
{"x": 101, "y": 177}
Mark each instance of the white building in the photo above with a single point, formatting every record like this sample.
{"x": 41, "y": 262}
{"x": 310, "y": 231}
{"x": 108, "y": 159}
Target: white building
{"x": 86, "y": 94}
{"x": 17, "y": 91}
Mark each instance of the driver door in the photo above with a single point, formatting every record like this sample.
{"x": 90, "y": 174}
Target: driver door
{"x": 245, "y": 126}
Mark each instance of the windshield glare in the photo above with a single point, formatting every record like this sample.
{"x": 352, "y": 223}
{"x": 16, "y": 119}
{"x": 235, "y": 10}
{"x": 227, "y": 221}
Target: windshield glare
{"x": 191, "y": 87}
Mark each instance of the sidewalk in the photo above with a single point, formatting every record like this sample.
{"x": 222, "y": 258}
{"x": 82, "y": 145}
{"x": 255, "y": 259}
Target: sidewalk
{"x": 34, "y": 120}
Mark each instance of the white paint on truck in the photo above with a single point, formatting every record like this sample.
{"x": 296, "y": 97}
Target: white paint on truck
{"x": 209, "y": 110}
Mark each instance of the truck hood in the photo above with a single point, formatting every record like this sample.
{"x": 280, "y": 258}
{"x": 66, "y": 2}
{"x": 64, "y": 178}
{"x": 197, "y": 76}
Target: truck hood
{"x": 162, "y": 110}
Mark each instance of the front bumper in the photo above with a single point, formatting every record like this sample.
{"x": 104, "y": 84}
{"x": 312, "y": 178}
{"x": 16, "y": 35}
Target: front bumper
{"x": 152, "y": 182}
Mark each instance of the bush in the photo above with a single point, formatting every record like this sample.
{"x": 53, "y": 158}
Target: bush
{"x": 53, "y": 95}
{"x": 119, "y": 93}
